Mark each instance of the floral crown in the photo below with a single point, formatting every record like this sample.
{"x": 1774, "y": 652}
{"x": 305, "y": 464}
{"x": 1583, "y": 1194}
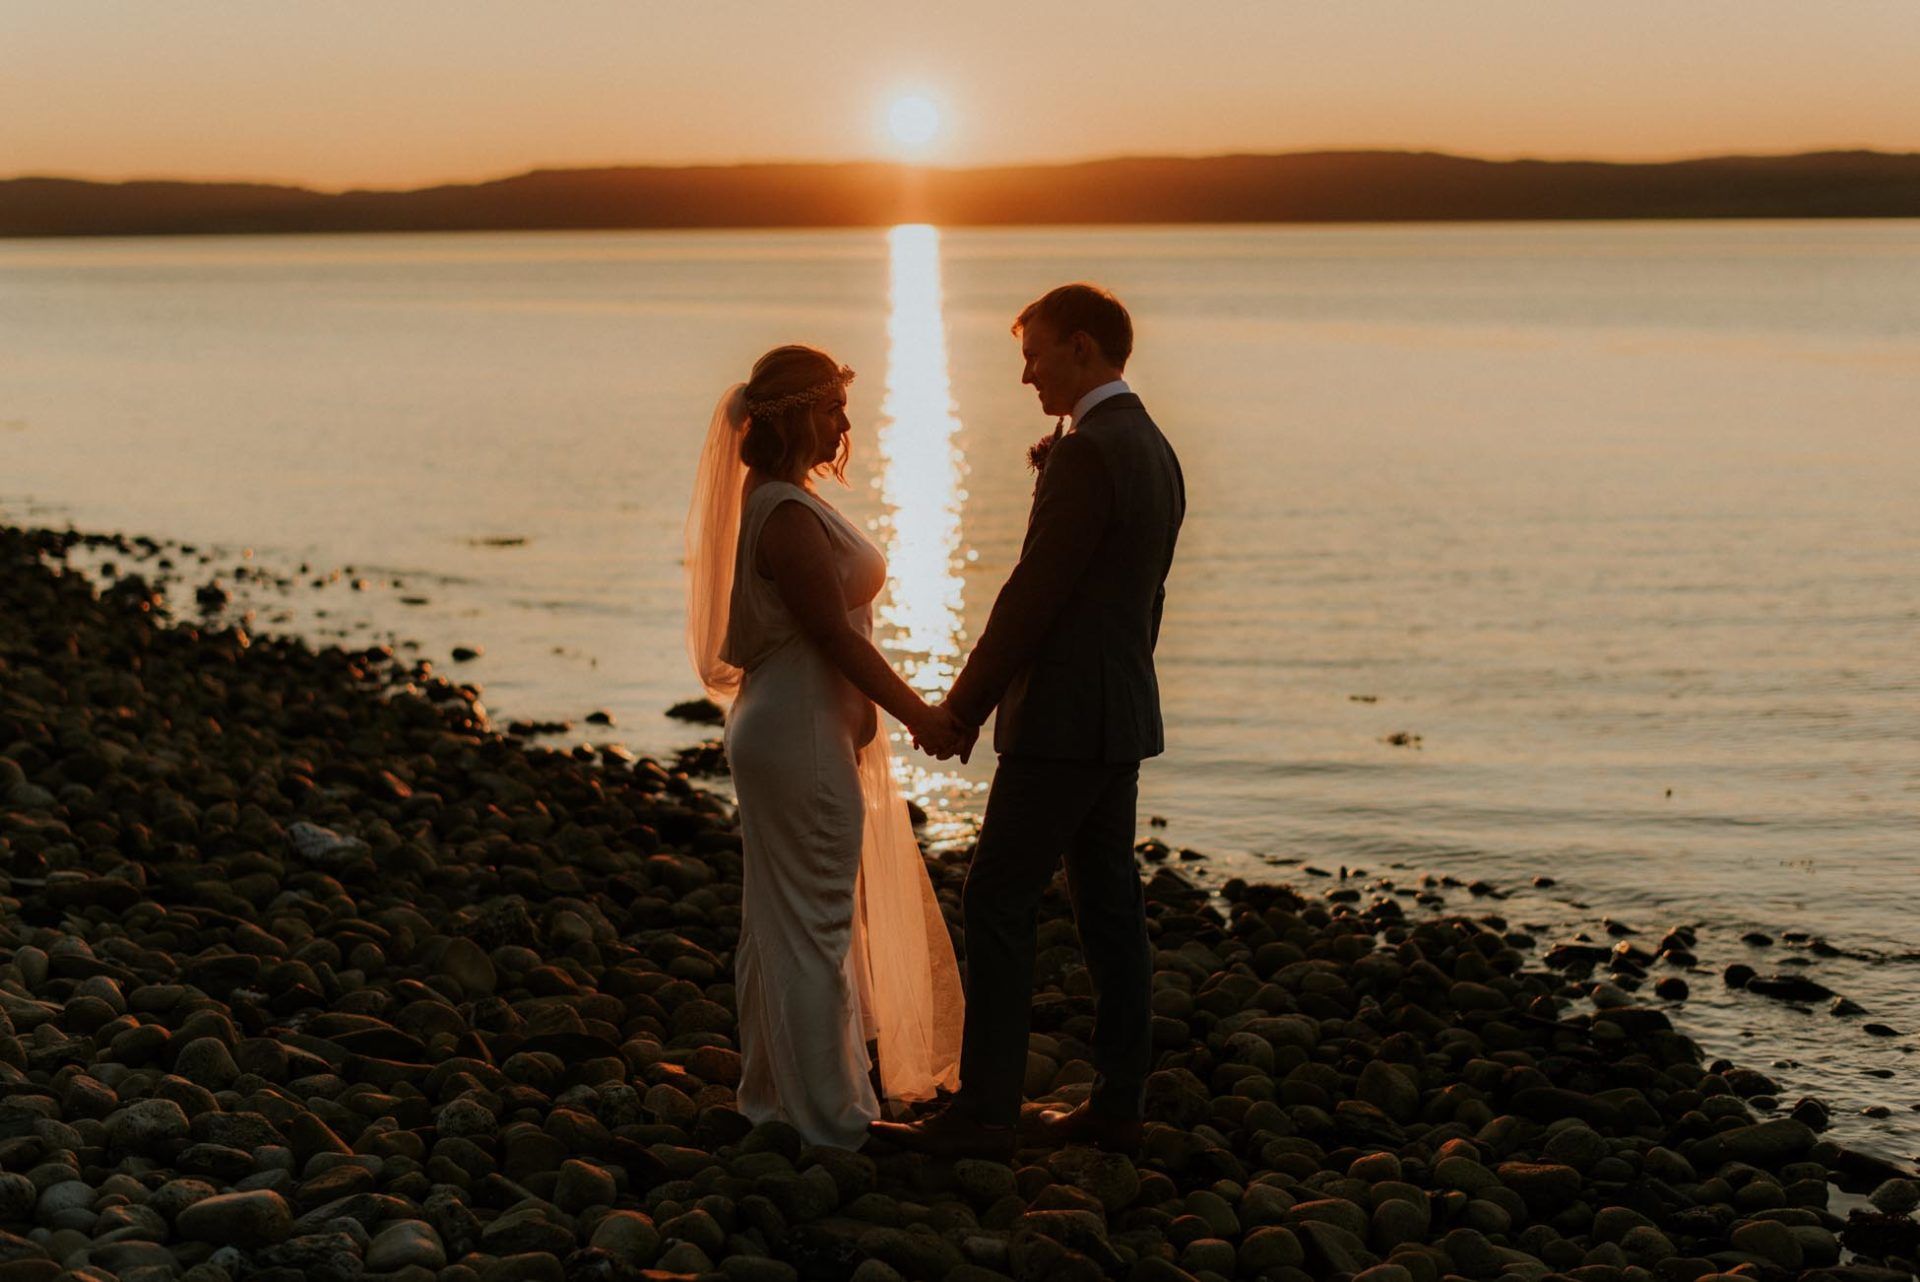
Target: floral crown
{"x": 805, "y": 396}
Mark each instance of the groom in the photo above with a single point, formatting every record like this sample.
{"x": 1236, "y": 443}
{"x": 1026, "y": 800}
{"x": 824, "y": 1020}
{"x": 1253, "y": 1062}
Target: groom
{"x": 1067, "y": 658}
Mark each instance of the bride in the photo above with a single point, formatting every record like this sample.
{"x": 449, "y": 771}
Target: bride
{"x": 841, "y": 939}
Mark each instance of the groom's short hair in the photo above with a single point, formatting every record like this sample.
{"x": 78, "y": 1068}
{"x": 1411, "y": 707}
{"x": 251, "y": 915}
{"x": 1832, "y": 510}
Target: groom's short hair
{"x": 1083, "y": 308}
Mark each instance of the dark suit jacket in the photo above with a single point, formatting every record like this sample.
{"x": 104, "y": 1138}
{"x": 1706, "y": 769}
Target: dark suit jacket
{"x": 1067, "y": 654}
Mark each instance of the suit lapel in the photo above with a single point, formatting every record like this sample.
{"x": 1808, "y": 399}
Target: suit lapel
{"x": 1125, "y": 400}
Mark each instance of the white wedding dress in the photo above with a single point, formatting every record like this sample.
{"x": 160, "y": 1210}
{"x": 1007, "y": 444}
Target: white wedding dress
{"x": 841, "y": 938}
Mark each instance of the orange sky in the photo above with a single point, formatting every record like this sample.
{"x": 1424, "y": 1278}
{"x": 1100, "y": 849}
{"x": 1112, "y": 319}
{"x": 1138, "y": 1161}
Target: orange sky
{"x": 407, "y": 92}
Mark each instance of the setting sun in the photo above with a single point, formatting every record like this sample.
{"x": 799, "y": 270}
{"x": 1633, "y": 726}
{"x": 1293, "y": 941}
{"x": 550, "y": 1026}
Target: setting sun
{"x": 913, "y": 121}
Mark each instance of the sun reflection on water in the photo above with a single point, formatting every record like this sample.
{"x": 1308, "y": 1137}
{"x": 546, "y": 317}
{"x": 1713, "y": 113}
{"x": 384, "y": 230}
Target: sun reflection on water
{"x": 920, "y": 470}
{"x": 920, "y": 486}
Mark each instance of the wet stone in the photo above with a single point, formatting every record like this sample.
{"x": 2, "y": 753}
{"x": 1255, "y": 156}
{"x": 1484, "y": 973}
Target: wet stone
{"x": 1896, "y": 1197}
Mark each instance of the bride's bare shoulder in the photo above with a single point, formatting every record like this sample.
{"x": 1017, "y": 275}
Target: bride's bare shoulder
{"x": 793, "y": 530}
{"x": 759, "y": 483}
{"x": 792, "y": 510}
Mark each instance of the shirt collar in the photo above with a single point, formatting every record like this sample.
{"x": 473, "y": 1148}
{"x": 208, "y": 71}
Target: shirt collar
{"x": 1105, "y": 391}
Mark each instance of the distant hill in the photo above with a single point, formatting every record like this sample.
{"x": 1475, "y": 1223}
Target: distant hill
{"x": 1333, "y": 186}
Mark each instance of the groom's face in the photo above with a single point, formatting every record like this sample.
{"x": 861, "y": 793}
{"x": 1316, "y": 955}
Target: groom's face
{"x": 1054, "y": 366}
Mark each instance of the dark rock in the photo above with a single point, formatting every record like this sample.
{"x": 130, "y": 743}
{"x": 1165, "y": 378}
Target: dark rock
{"x": 297, "y": 918}
{"x": 525, "y": 1231}
{"x": 220, "y": 1162}
{"x": 1896, "y": 1196}
{"x": 1876, "y": 1233}
{"x": 1544, "y": 1187}
{"x": 148, "y": 1126}
{"x": 245, "y": 1220}
{"x": 699, "y": 711}
{"x": 1812, "y": 1113}
{"x": 1788, "y": 988}
{"x": 1766, "y": 1144}
{"x": 1330, "y": 1249}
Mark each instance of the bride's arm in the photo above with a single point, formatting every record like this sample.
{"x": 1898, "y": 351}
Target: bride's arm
{"x": 799, "y": 560}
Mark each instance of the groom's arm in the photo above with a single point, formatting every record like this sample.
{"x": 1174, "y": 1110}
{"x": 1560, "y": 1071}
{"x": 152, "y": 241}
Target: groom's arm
{"x": 1069, "y": 513}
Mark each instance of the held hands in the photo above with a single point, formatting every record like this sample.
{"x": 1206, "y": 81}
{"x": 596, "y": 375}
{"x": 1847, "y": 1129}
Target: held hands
{"x": 939, "y": 733}
{"x": 968, "y": 736}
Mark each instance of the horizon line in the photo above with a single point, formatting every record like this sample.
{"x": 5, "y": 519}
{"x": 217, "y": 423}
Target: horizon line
{"x": 1114, "y": 158}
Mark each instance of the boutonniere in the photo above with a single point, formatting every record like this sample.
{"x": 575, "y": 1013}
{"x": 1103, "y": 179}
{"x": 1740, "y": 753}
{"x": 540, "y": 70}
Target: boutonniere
{"x": 1037, "y": 452}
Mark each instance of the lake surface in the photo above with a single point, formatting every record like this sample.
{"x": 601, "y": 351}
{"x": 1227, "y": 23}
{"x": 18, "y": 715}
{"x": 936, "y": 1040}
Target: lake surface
{"x": 1615, "y": 525}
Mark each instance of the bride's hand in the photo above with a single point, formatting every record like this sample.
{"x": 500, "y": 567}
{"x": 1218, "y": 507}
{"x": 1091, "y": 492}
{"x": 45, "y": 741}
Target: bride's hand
{"x": 938, "y": 733}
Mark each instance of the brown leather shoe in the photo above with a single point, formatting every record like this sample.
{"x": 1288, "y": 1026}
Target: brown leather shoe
{"x": 1084, "y": 1126}
{"x": 950, "y": 1133}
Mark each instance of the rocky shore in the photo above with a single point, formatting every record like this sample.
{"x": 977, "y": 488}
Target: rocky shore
{"x": 306, "y": 972}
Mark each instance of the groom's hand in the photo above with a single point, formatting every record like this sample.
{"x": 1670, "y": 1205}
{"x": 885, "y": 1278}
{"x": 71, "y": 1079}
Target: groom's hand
{"x": 965, "y": 735}
{"x": 940, "y": 736}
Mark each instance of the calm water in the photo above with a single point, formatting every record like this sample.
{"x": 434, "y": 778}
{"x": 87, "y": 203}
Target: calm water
{"x": 1619, "y": 520}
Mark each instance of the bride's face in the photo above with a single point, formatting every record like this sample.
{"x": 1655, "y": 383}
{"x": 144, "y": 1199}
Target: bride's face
{"x": 830, "y": 426}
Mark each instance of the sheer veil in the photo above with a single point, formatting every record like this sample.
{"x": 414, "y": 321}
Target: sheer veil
{"x": 911, "y": 988}
{"x": 713, "y": 534}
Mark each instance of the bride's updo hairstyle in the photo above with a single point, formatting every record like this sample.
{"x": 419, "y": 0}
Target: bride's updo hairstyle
{"x": 780, "y": 395}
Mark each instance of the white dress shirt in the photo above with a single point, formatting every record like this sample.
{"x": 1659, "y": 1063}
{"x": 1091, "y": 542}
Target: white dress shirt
{"x": 1103, "y": 392}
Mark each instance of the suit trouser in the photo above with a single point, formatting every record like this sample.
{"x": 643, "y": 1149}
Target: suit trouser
{"x": 1038, "y": 812}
